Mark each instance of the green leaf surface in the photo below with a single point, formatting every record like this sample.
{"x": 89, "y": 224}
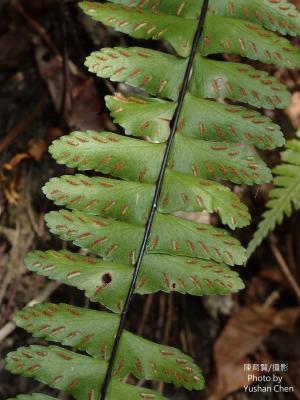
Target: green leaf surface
{"x": 284, "y": 197}
{"x": 235, "y": 36}
{"x": 144, "y": 25}
{"x": 281, "y": 16}
{"x": 188, "y": 193}
{"x": 122, "y": 200}
{"x": 121, "y": 241}
{"x": 112, "y": 240}
{"x": 200, "y": 119}
{"x": 142, "y": 116}
{"x": 76, "y": 374}
{"x": 150, "y": 70}
{"x": 212, "y": 243}
{"x": 104, "y": 152}
{"x": 210, "y": 160}
{"x": 103, "y": 281}
{"x": 221, "y": 34}
{"x": 188, "y": 8}
{"x": 93, "y": 332}
{"x": 130, "y": 201}
{"x": 141, "y": 162}
{"x": 160, "y": 74}
{"x": 210, "y": 120}
{"x": 107, "y": 282}
{"x": 229, "y": 80}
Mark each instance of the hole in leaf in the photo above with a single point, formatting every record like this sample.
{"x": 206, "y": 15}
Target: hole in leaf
{"x": 174, "y": 286}
{"x": 106, "y": 278}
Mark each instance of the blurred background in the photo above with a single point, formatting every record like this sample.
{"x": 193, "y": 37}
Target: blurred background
{"x": 45, "y": 92}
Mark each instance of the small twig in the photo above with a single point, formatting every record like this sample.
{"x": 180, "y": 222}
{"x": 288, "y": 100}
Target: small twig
{"x": 285, "y": 269}
{"x": 274, "y": 296}
{"x": 11, "y": 326}
{"x": 7, "y": 330}
{"x": 35, "y": 26}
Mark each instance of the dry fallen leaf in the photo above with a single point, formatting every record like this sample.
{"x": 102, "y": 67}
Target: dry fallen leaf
{"x": 82, "y": 101}
{"x": 240, "y": 338}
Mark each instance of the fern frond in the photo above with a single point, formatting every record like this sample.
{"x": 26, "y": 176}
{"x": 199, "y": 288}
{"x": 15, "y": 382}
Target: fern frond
{"x": 150, "y": 70}
{"x": 141, "y": 116}
{"x": 78, "y": 375}
{"x": 281, "y": 16}
{"x": 142, "y": 358}
{"x": 109, "y": 217}
{"x": 284, "y": 197}
{"x": 130, "y": 201}
{"x": 120, "y": 241}
{"x": 144, "y": 25}
{"x": 104, "y": 152}
{"x": 106, "y": 282}
{"x": 160, "y": 74}
{"x": 235, "y": 36}
{"x": 221, "y": 34}
{"x": 240, "y": 82}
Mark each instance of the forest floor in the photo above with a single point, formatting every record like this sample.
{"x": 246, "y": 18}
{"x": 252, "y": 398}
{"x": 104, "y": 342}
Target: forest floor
{"x": 45, "y": 92}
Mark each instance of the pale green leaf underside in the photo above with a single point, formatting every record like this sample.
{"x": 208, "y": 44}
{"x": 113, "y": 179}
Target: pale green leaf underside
{"x": 221, "y": 34}
{"x": 120, "y": 241}
{"x": 93, "y": 332}
{"x": 281, "y": 16}
{"x": 104, "y": 152}
{"x": 76, "y": 374}
{"x": 284, "y": 197}
{"x": 107, "y": 282}
{"x": 188, "y": 193}
{"x": 235, "y": 36}
{"x": 229, "y": 80}
{"x": 160, "y": 74}
{"x": 123, "y": 200}
{"x": 150, "y": 70}
{"x": 141, "y": 116}
{"x": 144, "y": 25}
{"x": 130, "y": 201}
